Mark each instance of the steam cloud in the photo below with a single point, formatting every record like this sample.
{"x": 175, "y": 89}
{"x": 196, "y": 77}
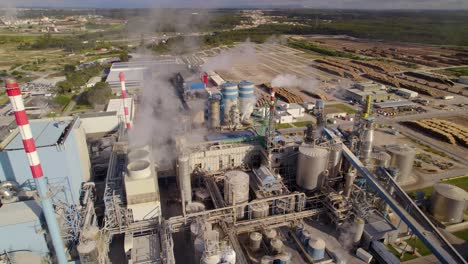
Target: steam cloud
{"x": 241, "y": 54}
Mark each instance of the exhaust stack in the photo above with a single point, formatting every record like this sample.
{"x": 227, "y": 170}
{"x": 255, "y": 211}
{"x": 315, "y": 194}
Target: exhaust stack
{"x": 14, "y": 94}
{"x": 124, "y": 100}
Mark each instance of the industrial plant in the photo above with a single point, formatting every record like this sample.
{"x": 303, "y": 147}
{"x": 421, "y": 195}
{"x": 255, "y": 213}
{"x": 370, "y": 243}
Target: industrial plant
{"x": 233, "y": 186}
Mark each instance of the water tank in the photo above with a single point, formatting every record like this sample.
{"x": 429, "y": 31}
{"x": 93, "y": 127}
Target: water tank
{"x": 336, "y": 151}
{"x": 402, "y": 161}
{"x": 316, "y": 248}
{"x": 367, "y": 142}
{"x": 230, "y": 94}
{"x": 359, "y": 225}
{"x": 194, "y": 207}
{"x": 215, "y": 117}
{"x": 267, "y": 260}
{"x": 382, "y": 159}
{"x": 283, "y": 258}
{"x": 229, "y": 256}
{"x": 184, "y": 178}
{"x": 270, "y": 234}
{"x": 259, "y": 210}
{"x": 448, "y": 203}
{"x": 236, "y": 189}
{"x": 276, "y": 246}
{"x": 305, "y": 237}
{"x": 312, "y": 167}
{"x": 213, "y": 259}
{"x": 255, "y": 240}
{"x": 139, "y": 169}
{"x": 246, "y": 100}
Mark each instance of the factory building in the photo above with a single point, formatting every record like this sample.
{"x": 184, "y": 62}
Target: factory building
{"x": 21, "y": 228}
{"x": 377, "y": 95}
{"x": 100, "y": 122}
{"x": 116, "y": 105}
{"x": 406, "y": 93}
{"x": 135, "y": 72}
{"x": 61, "y": 144}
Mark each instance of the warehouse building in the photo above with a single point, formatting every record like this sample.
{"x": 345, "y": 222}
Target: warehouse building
{"x": 100, "y": 122}
{"x": 406, "y": 93}
{"x": 377, "y": 95}
{"x": 21, "y": 229}
{"x": 135, "y": 72}
{"x": 62, "y": 149}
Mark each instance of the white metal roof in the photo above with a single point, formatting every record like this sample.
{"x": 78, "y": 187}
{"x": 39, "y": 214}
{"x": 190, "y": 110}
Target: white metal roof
{"x": 19, "y": 212}
{"x": 117, "y": 106}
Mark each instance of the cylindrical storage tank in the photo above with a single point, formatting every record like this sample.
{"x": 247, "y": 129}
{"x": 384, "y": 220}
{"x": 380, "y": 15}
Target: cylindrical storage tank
{"x": 229, "y": 256}
{"x": 367, "y": 142}
{"x": 246, "y": 100}
{"x": 316, "y": 248}
{"x": 199, "y": 248}
{"x": 230, "y": 94}
{"x": 184, "y": 178}
{"x": 276, "y": 246}
{"x": 359, "y": 224}
{"x": 335, "y": 159}
{"x": 299, "y": 229}
{"x": 213, "y": 259}
{"x": 90, "y": 233}
{"x": 88, "y": 252}
{"x": 270, "y": 234}
{"x": 349, "y": 181}
{"x": 402, "y": 160}
{"x": 255, "y": 240}
{"x": 139, "y": 154}
{"x": 139, "y": 169}
{"x": 215, "y": 117}
{"x": 194, "y": 207}
{"x": 236, "y": 190}
{"x": 312, "y": 167}
{"x": 267, "y": 260}
{"x": 259, "y": 210}
{"x": 448, "y": 203}
{"x": 283, "y": 258}
{"x": 382, "y": 159}
{"x": 305, "y": 237}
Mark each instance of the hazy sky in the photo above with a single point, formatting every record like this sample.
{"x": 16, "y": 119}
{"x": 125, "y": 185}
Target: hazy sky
{"x": 345, "y": 4}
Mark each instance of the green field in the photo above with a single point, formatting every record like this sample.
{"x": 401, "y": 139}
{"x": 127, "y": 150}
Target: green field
{"x": 345, "y": 108}
{"x": 462, "y": 71}
{"x": 461, "y": 182}
{"x": 301, "y": 123}
{"x": 462, "y": 234}
{"x": 407, "y": 256}
{"x": 279, "y": 126}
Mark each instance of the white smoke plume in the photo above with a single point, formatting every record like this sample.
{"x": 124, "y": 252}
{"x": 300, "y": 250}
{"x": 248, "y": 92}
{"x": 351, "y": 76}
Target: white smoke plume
{"x": 347, "y": 233}
{"x": 292, "y": 81}
{"x": 243, "y": 53}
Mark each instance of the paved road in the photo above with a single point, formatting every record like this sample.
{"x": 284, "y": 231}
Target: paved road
{"x": 73, "y": 102}
{"x": 428, "y": 180}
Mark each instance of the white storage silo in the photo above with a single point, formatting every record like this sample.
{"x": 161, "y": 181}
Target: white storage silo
{"x": 230, "y": 95}
{"x": 312, "y": 167}
{"x": 246, "y": 100}
{"x": 236, "y": 189}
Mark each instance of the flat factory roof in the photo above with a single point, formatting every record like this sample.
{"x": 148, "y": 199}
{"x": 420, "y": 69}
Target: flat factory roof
{"x": 116, "y": 105}
{"x": 19, "y": 212}
{"x": 45, "y": 133}
{"x": 394, "y": 104}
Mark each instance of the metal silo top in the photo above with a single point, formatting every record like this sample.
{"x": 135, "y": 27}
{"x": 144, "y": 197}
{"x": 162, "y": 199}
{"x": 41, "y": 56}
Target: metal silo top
{"x": 401, "y": 150}
{"x": 383, "y": 156}
{"x": 451, "y": 191}
{"x": 313, "y": 151}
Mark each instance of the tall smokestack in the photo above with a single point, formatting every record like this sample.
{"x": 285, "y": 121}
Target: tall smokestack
{"x": 14, "y": 93}
{"x": 124, "y": 97}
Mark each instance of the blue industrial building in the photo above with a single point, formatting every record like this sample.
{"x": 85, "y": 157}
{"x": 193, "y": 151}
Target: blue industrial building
{"x": 21, "y": 228}
{"x": 61, "y": 144}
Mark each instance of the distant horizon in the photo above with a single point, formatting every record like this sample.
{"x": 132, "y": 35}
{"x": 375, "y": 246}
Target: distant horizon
{"x": 374, "y": 5}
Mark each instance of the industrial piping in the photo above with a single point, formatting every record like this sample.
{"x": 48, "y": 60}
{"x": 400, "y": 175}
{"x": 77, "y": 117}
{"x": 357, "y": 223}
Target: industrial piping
{"x": 124, "y": 100}
{"x": 14, "y": 93}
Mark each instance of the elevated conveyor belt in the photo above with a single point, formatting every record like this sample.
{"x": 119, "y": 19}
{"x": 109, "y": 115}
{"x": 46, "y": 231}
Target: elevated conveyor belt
{"x": 414, "y": 218}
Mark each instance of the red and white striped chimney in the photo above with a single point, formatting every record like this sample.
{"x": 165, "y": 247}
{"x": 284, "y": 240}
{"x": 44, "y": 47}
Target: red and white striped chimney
{"x": 272, "y": 98}
{"x": 17, "y": 105}
{"x": 124, "y": 99}
{"x": 14, "y": 93}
